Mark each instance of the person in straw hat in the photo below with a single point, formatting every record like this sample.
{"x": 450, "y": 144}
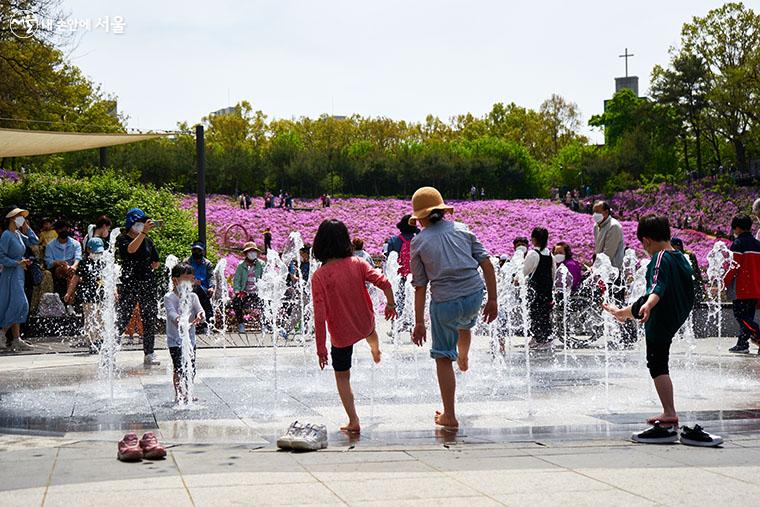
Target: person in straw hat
{"x": 244, "y": 283}
{"x": 14, "y": 307}
{"x": 446, "y": 255}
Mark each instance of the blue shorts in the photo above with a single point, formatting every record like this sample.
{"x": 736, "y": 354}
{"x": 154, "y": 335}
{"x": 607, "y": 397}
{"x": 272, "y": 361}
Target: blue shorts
{"x": 447, "y": 318}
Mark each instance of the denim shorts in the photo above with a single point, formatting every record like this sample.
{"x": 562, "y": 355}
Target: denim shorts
{"x": 447, "y": 318}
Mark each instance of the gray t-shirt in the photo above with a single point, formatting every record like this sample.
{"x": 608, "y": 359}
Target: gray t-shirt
{"x": 171, "y": 302}
{"x": 447, "y": 255}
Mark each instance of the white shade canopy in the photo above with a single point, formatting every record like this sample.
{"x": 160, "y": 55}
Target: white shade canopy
{"x": 25, "y": 143}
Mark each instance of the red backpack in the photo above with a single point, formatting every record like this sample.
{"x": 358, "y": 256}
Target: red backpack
{"x": 405, "y": 257}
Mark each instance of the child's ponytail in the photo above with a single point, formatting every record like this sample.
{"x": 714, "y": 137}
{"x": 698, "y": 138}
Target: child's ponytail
{"x": 435, "y": 216}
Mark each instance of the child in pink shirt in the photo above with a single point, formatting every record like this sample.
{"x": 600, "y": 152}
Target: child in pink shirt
{"x": 341, "y": 300}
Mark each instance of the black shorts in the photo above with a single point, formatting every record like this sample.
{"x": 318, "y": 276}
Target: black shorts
{"x": 176, "y": 355}
{"x": 658, "y": 356}
{"x": 341, "y": 357}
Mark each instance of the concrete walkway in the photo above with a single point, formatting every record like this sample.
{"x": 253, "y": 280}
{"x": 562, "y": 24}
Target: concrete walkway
{"x": 50, "y": 471}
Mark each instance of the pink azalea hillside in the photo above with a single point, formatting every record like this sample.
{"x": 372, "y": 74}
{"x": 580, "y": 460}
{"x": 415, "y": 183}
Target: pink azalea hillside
{"x": 495, "y": 222}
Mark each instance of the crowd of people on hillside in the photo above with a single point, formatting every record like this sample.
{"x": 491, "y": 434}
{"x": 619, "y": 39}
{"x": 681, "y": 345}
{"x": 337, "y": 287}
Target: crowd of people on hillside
{"x": 283, "y": 200}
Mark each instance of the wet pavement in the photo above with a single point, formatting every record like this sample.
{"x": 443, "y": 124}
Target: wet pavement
{"x": 565, "y": 444}
{"x": 251, "y": 394}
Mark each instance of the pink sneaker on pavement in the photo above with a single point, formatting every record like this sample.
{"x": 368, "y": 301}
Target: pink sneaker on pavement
{"x": 129, "y": 448}
{"x": 151, "y": 449}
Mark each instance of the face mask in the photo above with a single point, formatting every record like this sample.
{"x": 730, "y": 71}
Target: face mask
{"x": 252, "y": 256}
{"x": 521, "y": 248}
{"x": 598, "y": 218}
{"x": 185, "y": 286}
{"x": 559, "y": 258}
{"x": 19, "y": 221}
{"x": 138, "y": 227}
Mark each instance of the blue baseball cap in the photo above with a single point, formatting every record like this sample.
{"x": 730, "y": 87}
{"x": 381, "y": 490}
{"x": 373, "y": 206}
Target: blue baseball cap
{"x": 95, "y": 245}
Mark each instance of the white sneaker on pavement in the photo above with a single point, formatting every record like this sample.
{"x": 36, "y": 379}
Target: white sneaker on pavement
{"x": 312, "y": 438}
{"x": 151, "y": 360}
{"x": 293, "y": 431}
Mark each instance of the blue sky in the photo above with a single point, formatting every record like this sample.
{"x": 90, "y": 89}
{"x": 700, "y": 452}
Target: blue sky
{"x": 177, "y": 61}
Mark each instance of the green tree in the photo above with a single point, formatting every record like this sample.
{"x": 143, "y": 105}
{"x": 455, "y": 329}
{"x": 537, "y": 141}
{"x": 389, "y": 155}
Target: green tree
{"x": 727, "y": 39}
{"x": 685, "y": 86}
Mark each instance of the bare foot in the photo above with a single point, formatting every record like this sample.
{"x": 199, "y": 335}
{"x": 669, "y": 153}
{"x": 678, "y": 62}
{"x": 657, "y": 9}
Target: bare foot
{"x": 665, "y": 420}
{"x": 351, "y": 428}
{"x": 446, "y": 421}
{"x": 376, "y": 355}
{"x": 463, "y": 362}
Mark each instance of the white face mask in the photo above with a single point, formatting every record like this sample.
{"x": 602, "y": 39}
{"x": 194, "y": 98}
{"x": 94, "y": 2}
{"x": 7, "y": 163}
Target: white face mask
{"x": 598, "y": 218}
{"x": 521, "y": 249}
{"x": 19, "y": 220}
{"x": 185, "y": 286}
{"x": 252, "y": 256}
{"x": 138, "y": 227}
{"x": 559, "y": 258}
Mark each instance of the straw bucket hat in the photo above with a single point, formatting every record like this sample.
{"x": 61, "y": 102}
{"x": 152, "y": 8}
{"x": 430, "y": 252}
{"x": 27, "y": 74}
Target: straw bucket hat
{"x": 425, "y": 200}
{"x": 17, "y": 211}
{"x": 250, "y": 246}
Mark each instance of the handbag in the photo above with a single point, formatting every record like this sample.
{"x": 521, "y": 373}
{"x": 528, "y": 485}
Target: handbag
{"x": 36, "y": 273}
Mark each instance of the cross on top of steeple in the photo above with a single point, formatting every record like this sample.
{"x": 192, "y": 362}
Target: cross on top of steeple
{"x": 627, "y": 55}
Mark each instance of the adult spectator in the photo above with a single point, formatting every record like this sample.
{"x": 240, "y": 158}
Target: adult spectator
{"x": 743, "y": 283}
{"x": 300, "y": 269}
{"x": 358, "y": 245}
{"x": 473, "y": 193}
{"x": 86, "y": 287}
{"x": 138, "y": 282}
{"x": 16, "y": 238}
{"x": 699, "y": 283}
{"x": 62, "y": 258}
{"x": 203, "y": 287}
{"x": 520, "y": 245}
{"x": 540, "y": 270}
{"x": 563, "y": 255}
{"x": 245, "y": 281}
{"x": 756, "y": 214}
{"x": 609, "y": 240}
{"x": 608, "y": 234}
{"x": 47, "y": 233}
{"x": 100, "y": 229}
{"x": 267, "y": 240}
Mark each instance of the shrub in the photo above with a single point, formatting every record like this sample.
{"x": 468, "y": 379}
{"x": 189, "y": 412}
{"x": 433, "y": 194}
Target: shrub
{"x": 82, "y": 200}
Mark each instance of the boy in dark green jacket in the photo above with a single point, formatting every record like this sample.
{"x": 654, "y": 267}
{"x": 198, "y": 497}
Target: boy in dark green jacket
{"x": 663, "y": 309}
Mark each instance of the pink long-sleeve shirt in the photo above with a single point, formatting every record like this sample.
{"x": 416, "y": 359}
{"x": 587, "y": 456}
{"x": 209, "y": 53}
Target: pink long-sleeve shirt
{"x": 341, "y": 300}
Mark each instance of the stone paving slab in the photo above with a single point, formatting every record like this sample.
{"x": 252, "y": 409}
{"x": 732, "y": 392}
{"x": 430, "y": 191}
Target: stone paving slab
{"x": 50, "y": 471}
